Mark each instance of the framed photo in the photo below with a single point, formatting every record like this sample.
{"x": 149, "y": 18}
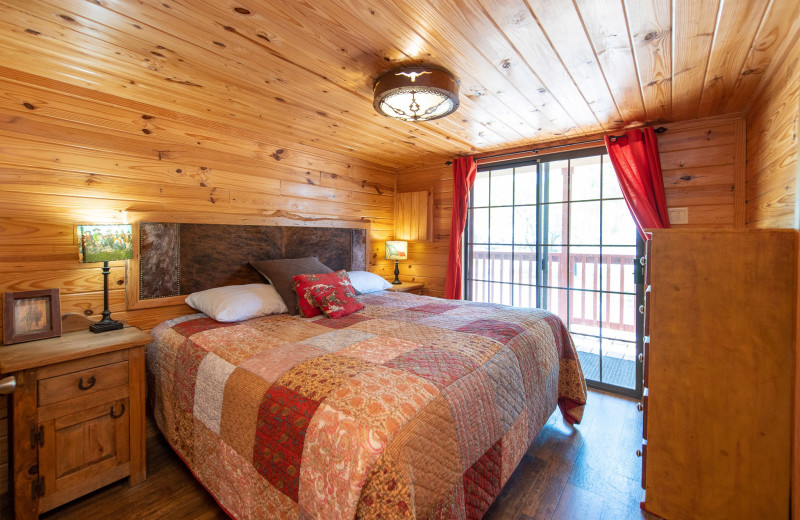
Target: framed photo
{"x": 31, "y": 315}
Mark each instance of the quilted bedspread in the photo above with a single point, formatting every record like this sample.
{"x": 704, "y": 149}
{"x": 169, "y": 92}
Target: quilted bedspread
{"x": 414, "y": 407}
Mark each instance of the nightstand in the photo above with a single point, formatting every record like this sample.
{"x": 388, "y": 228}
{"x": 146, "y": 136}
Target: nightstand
{"x": 409, "y": 287}
{"x": 77, "y": 413}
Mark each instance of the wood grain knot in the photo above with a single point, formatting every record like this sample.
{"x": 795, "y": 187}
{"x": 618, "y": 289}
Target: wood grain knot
{"x": 241, "y": 10}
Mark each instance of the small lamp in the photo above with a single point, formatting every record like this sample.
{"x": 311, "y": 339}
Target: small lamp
{"x": 105, "y": 243}
{"x": 396, "y": 250}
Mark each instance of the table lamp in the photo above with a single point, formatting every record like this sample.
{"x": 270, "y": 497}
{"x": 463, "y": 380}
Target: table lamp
{"x": 396, "y": 250}
{"x": 105, "y": 243}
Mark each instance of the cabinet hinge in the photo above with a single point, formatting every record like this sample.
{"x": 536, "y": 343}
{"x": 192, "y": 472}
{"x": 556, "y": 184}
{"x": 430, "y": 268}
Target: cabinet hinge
{"x": 37, "y": 488}
{"x": 37, "y": 436}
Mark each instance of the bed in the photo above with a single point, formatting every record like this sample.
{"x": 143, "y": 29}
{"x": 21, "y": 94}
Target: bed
{"x": 412, "y": 407}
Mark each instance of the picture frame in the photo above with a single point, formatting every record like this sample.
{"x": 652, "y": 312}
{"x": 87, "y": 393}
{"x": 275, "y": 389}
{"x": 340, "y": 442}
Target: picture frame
{"x": 31, "y": 315}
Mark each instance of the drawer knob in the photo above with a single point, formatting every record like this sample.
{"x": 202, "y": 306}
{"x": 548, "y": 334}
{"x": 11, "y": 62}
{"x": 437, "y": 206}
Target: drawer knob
{"x": 639, "y": 406}
{"x": 8, "y": 385}
{"x": 641, "y": 358}
{"x": 641, "y": 309}
{"x": 638, "y": 453}
{"x": 643, "y": 261}
{"x": 90, "y": 383}
{"x": 114, "y": 414}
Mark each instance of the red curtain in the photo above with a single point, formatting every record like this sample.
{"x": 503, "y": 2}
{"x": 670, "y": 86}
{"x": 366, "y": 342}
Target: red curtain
{"x": 638, "y": 166}
{"x": 464, "y": 171}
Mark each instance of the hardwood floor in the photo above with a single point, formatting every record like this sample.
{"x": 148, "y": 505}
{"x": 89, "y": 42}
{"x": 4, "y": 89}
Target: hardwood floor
{"x": 586, "y": 473}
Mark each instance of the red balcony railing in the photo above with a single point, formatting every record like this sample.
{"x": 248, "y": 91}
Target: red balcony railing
{"x": 584, "y": 271}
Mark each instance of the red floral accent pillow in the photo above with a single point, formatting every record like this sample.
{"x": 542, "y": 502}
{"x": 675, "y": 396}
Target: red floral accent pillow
{"x": 334, "y": 301}
{"x": 303, "y": 282}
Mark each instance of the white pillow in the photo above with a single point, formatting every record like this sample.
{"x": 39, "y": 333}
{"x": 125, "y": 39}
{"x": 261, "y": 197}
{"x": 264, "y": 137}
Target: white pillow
{"x": 238, "y": 302}
{"x": 365, "y": 282}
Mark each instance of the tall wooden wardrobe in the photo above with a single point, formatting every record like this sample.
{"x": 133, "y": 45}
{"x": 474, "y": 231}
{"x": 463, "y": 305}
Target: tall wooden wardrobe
{"x": 719, "y": 364}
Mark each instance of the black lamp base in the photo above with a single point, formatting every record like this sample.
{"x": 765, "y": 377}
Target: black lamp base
{"x": 105, "y": 326}
{"x": 396, "y": 274}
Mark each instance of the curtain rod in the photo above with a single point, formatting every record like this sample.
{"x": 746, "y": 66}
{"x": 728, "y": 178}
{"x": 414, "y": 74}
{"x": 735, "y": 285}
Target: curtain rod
{"x": 659, "y": 130}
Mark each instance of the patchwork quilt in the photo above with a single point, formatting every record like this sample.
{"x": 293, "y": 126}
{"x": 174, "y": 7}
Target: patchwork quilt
{"x": 414, "y": 407}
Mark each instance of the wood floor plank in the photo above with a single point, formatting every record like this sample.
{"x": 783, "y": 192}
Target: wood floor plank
{"x": 576, "y": 502}
{"x": 582, "y": 473}
{"x": 595, "y": 466}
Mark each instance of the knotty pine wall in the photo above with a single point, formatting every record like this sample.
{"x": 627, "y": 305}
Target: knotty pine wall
{"x": 773, "y": 167}
{"x": 72, "y": 155}
{"x": 703, "y": 165}
{"x": 773, "y": 124}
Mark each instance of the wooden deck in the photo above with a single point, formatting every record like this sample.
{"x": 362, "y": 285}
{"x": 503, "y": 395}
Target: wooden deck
{"x": 590, "y": 472}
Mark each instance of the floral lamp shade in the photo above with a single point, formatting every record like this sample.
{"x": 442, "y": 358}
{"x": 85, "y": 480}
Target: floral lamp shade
{"x": 396, "y": 250}
{"x": 105, "y": 242}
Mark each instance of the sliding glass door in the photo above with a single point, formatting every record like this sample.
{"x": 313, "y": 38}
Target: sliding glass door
{"x": 555, "y": 233}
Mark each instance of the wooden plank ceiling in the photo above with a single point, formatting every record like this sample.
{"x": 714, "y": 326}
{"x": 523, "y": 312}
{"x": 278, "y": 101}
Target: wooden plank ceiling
{"x": 530, "y": 70}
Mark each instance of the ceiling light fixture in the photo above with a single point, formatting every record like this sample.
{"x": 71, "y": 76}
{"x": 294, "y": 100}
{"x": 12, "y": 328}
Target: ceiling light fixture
{"x": 416, "y": 94}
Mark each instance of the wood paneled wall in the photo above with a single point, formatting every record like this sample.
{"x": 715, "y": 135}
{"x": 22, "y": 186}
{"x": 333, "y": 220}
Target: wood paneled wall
{"x": 703, "y": 164}
{"x": 73, "y": 155}
{"x": 773, "y": 123}
{"x": 773, "y": 171}
{"x": 427, "y": 261}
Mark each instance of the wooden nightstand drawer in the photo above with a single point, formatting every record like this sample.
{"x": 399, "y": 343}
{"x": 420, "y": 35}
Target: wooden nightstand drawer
{"x": 84, "y": 382}
{"x": 77, "y": 365}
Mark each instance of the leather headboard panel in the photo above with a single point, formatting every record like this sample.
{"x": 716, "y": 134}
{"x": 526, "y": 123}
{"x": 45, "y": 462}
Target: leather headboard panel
{"x": 184, "y": 258}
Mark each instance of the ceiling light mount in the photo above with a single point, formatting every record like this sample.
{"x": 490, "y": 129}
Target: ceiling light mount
{"x": 416, "y": 94}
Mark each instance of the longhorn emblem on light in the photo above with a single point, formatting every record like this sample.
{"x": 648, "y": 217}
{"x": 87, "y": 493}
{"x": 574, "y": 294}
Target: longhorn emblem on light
{"x": 413, "y": 75}
{"x": 416, "y": 94}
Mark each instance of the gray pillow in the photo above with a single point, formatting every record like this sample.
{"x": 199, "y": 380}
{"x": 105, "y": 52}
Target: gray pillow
{"x": 280, "y": 272}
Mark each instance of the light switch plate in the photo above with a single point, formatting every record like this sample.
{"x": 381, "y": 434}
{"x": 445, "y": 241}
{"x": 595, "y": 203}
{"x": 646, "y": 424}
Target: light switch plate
{"x": 678, "y": 215}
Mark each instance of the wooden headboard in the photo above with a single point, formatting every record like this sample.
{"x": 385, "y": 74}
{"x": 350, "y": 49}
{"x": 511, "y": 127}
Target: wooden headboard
{"x": 174, "y": 259}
